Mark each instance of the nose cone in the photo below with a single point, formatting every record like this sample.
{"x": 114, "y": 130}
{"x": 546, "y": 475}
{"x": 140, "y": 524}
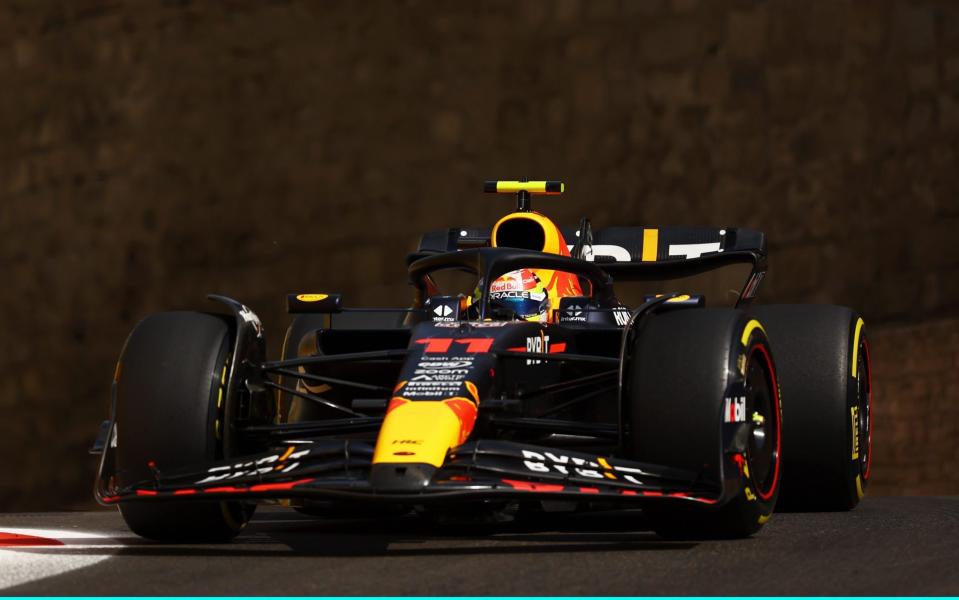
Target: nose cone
{"x": 423, "y": 431}
{"x": 400, "y": 477}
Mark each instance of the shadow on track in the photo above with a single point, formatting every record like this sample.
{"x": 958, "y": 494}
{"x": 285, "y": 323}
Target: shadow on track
{"x": 287, "y": 533}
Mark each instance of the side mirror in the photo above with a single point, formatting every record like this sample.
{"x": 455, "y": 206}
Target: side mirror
{"x": 314, "y": 303}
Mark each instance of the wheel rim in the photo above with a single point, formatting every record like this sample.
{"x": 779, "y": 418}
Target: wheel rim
{"x": 762, "y": 415}
{"x": 864, "y": 404}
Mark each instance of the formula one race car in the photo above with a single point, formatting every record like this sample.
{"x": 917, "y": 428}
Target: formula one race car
{"x": 534, "y": 385}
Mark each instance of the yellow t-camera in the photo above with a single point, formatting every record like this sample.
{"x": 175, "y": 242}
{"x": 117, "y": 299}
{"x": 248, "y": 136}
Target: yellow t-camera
{"x": 524, "y": 190}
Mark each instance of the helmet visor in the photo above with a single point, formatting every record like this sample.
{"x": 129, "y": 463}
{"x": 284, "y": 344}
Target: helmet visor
{"x": 523, "y": 303}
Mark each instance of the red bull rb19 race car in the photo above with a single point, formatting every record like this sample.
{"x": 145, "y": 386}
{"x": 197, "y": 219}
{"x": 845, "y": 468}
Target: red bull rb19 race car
{"x": 536, "y": 385}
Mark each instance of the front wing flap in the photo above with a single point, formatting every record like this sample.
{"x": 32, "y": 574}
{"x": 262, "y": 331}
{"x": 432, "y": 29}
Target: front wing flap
{"x": 485, "y": 469}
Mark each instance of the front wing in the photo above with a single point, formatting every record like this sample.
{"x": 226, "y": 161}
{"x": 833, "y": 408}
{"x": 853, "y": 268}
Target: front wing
{"x": 481, "y": 470}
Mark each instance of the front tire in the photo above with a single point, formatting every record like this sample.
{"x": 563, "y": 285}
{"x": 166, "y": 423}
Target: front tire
{"x": 695, "y": 376}
{"x": 170, "y": 395}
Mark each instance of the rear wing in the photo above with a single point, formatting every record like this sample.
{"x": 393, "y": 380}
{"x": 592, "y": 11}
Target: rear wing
{"x": 639, "y": 253}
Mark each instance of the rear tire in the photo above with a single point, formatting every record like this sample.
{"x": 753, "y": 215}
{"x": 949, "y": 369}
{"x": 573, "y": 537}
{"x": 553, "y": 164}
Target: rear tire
{"x": 823, "y": 360}
{"x": 172, "y": 375}
{"x": 685, "y": 364}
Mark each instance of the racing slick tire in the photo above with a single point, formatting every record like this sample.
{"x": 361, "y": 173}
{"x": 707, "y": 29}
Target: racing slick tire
{"x": 171, "y": 378}
{"x": 823, "y": 359}
{"x": 684, "y": 366}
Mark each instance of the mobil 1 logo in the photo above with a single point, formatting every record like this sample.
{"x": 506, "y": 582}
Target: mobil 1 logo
{"x": 438, "y": 376}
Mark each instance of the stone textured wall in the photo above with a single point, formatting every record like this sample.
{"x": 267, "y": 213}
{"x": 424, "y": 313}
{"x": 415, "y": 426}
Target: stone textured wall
{"x": 916, "y": 408}
{"x": 153, "y": 152}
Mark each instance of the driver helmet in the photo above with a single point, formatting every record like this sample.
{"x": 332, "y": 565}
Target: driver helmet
{"x": 521, "y": 293}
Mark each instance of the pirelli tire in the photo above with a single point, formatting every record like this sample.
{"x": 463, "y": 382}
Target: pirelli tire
{"x": 823, "y": 359}
{"x": 696, "y": 376}
{"x": 171, "y": 379}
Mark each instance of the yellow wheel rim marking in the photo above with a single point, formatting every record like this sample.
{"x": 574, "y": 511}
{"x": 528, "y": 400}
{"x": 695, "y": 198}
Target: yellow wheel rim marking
{"x": 750, "y": 326}
{"x": 855, "y": 349}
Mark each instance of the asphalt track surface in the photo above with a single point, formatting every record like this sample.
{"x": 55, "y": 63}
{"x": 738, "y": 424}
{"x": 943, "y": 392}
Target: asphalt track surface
{"x": 885, "y": 546}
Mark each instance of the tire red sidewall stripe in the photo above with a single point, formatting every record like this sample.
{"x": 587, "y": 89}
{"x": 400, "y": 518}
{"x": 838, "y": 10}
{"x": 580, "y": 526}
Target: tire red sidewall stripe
{"x": 767, "y": 495}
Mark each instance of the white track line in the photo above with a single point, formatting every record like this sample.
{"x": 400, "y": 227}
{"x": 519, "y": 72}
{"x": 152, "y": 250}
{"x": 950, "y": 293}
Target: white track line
{"x": 32, "y": 563}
